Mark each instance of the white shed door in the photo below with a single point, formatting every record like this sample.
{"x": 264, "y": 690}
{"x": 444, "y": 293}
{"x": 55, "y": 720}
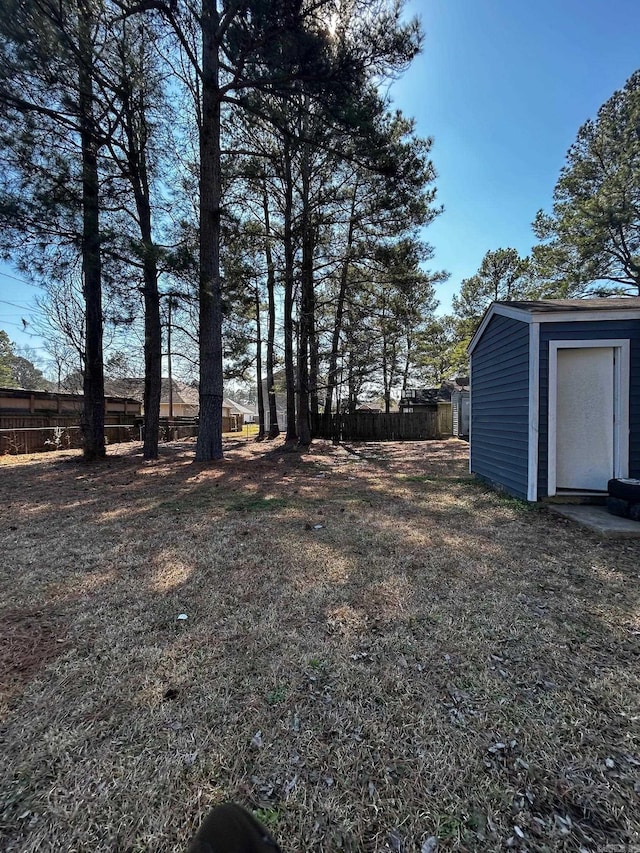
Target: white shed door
{"x": 585, "y": 418}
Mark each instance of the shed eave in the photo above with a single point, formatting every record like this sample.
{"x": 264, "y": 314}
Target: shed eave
{"x": 504, "y": 311}
{"x": 568, "y": 316}
{"x": 585, "y": 316}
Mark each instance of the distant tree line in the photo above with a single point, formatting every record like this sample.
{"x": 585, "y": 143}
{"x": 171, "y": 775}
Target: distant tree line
{"x": 17, "y": 370}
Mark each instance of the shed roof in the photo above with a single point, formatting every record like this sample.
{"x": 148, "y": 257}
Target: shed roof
{"x": 537, "y": 306}
{"x": 560, "y": 310}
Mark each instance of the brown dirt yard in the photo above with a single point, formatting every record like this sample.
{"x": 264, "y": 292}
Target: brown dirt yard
{"x": 380, "y": 654}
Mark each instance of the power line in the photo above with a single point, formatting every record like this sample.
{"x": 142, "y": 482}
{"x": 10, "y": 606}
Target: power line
{"x": 17, "y": 325}
{"x": 21, "y": 280}
{"x": 15, "y": 305}
{"x": 34, "y": 349}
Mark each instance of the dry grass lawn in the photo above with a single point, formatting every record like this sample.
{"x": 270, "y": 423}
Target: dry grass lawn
{"x": 379, "y": 652}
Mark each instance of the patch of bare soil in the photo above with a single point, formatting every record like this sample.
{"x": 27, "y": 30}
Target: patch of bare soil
{"x": 29, "y": 640}
{"x": 379, "y": 654}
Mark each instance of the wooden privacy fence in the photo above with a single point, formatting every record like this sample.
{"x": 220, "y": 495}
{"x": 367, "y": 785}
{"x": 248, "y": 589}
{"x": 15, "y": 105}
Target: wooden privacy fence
{"x": 232, "y": 423}
{"x": 32, "y": 420}
{"x": 32, "y": 434}
{"x": 172, "y": 429}
{"x": 374, "y": 426}
{"x": 445, "y": 419}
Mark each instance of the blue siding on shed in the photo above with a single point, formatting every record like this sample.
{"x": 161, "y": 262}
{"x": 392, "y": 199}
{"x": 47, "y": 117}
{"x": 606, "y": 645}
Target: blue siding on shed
{"x": 500, "y": 405}
{"x": 587, "y": 331}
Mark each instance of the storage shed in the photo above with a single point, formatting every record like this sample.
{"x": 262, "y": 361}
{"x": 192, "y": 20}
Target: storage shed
{"x": 460, "y": 413}
{"x": 555, "y": 396}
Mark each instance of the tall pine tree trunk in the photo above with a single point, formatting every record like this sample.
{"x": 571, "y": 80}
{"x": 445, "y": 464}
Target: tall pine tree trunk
{"x": 385, "y": 377}
{"x": 274, "y": 429}
{"x": 407, "y": 361}
{"x": 289, "y": 251}
{"x": 136, "y": 131}
{"x": 209, "y": 445}
{"x": 390, "y": 359}
{"x": 261, "y": 428}
{"x": 352, "y": 400}
{"x": 314, "y": 361}
{"x": 152, "y": 347}
{"x": 332, "y": 380}
{"x": 306, "y": 309}
{"x": 93, "y": 405}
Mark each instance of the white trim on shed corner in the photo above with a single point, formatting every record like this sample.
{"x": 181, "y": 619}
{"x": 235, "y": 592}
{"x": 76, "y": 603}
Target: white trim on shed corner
{"x": 621, "y": 403}
{"x": 537, "y": 317}
{"x": 470, "y": 411}
{"x": 504, "y": 311}
{"x": 534, "y": 411}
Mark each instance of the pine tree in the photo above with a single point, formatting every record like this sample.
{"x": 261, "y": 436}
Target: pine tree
{"x": 592, "y": 235}
{"x": 51, "y": 194}
{"x": 266, "y": 48}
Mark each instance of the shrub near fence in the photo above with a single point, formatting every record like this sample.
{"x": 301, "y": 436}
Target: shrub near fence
{"x": 373, "y": 426}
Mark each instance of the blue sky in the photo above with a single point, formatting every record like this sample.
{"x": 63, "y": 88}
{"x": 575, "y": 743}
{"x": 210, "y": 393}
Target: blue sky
{"x": 502, "y": 86}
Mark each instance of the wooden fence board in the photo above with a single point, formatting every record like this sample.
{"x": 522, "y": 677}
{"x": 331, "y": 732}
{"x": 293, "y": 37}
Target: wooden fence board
{"x": 27, "y": 433}
{"x": 445, "y": 419}
{"x": 374, "y": 426}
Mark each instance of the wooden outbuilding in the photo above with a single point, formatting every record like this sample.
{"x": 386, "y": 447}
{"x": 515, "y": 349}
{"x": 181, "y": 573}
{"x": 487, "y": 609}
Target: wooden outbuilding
{"x": 555, "y": 396}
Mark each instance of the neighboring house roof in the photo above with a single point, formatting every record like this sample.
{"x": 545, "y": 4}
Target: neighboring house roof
{"x": 237, "y": 408}
{"x": 431, "y": 396}
{"x": 132, "y": 387}
{"x": 560, "y": 310}
{"x": 422, "y": 397}
{"x": 449, "y": 386}
{"x": 461, "y": 383}
{"x": 183, "y": 394}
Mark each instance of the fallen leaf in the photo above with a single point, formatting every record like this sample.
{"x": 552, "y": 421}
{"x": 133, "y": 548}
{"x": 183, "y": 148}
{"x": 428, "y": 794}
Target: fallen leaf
{"x": 396, "y": 842}
{"x": 290, "y": 786}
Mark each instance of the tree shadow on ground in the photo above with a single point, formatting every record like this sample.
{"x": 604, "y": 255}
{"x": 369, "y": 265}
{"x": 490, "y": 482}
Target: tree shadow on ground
{"x": 419, "y": 655}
